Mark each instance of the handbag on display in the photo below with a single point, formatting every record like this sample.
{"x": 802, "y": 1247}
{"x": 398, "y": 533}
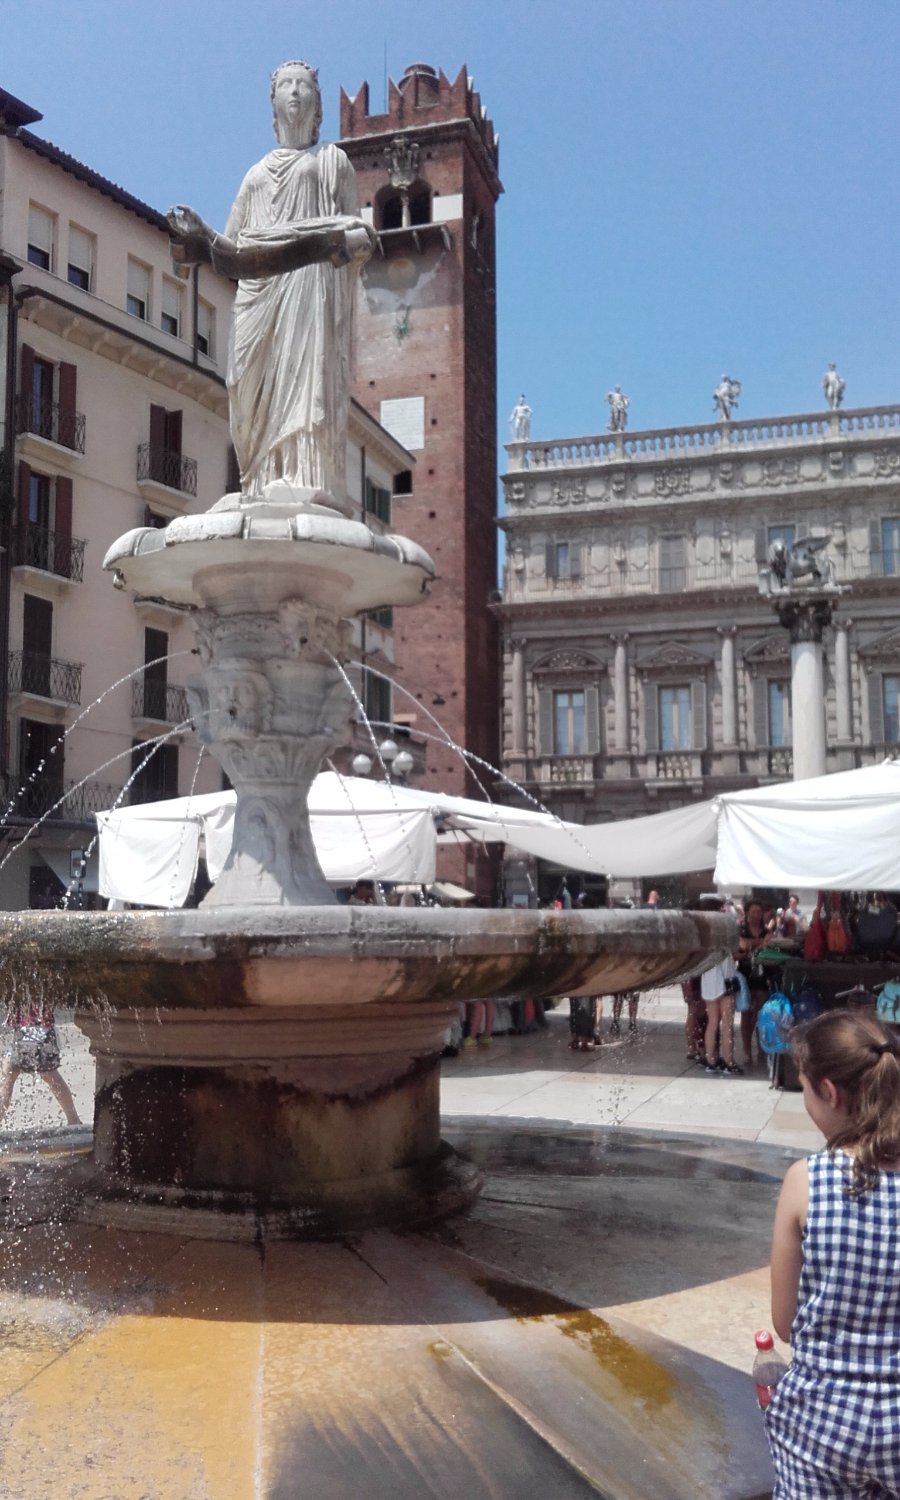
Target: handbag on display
{"x": 837, "y": 933}
{"x": 888, "y": 1005}
{"x": 876, "y": 927}
{"x": 815, "y": 945}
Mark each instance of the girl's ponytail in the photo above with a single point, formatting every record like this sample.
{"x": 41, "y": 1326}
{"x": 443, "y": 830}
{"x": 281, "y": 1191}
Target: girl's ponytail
{"x": 861, "y": 1056}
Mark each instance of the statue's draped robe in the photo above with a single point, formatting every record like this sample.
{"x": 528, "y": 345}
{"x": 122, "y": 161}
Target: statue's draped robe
{"x": 289, "y": 361}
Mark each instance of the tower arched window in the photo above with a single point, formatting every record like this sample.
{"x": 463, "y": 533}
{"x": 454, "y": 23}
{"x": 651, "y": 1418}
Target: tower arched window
{"x": 420, "y": 205}
{"x": 391, "y": 215}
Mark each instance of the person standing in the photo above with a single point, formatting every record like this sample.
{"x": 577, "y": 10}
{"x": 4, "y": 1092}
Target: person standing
{"x": 754, "y": 933}
{"x": 33, "y": 1047}
{"x": 833, "y": 1423}
{"x": 717, "y": 990}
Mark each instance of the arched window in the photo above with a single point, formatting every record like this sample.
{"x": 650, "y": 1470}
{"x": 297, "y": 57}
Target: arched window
{"x": 391, "y": 212}
{"x": 420, "y": 205}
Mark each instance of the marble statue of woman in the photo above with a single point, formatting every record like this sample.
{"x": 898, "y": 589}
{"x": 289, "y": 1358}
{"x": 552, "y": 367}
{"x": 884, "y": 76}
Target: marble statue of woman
{"x": 295, "y": 241}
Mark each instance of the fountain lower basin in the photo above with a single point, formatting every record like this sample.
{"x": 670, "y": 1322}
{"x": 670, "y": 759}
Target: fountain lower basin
{"x": 275, "y": 1071}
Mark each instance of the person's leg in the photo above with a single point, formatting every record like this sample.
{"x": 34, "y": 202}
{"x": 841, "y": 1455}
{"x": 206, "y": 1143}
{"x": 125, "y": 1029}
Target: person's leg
{"x": 726, "y": 1038}
{"x": 598, "y": 1018}
{"x": 489, "y": 1011}
{"x": 474, "y": 1019}
{"x": 712, "y": 1027}
{"x": 8, "y": 1076}
{"x": 61, "y": 1093}
{"x": 748, "y": 1021}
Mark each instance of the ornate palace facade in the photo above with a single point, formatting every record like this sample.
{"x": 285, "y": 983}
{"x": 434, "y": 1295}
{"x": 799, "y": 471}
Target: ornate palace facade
{"x": 642, "y": 668}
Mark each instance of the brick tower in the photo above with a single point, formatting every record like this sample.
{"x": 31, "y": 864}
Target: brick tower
{"x": 425, "y": 366}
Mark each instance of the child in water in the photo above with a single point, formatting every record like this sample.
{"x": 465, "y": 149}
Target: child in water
{"x": 834, "y": 1420}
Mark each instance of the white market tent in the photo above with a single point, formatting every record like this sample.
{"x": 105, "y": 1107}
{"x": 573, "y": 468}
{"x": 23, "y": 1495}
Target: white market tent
{"x": 362, "y": 830}
{"x": 839, "y": 832}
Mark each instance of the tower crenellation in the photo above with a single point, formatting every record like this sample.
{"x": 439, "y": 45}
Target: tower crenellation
{"x": 423, "y": 96}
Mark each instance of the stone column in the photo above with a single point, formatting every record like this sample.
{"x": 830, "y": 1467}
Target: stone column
{"x": 806, "y": 619}
{"x": 620, "y": 695}
{"x": 519, "y": 738}
{"x": 842, "y": 692}
{"x": 729, "y": 688}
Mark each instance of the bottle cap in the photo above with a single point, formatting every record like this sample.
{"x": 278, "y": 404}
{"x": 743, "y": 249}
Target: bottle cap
{"x": 763, "y": 1339}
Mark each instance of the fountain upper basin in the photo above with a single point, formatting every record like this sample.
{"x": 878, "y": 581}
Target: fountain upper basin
{"x": 241, "y": 560}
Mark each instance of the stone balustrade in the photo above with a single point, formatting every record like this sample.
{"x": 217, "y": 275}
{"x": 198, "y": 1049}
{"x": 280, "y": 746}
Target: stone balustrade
{"x": 706, "y": 439}
{"x": 664, "y": 771}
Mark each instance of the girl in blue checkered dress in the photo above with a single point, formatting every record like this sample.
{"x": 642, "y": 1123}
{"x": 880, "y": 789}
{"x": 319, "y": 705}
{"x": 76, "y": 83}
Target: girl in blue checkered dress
{"x": 834, "y": 1420}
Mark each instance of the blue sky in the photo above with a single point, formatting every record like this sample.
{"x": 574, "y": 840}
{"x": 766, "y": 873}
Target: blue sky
{"x": 692, "y": 186}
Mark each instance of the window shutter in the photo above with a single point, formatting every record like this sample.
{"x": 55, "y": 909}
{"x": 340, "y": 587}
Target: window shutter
{"x": 67, "y": 379}
{"x": 550, "y": 559}
{"x": 761, "y": 546}
{"x": 651, "y": 717}
{"x": 545, "y": 721}
{"x": 24, "y": 486}
{"x": 62, "y": 521}
{"x": 592, "y": 720}
{"x": 574, "y": 559}
{"x": 26, "y": 385}
{"x": 698, "y": 715}
{"x": 876, "y": 708}
{"x": 158, "y": 426}
{"x": 760, "y": 712}
{"x": 173, "y": 432}
{"x": 876, "y": 561}
{"x": 802, "y": 531}
{"x": 62, "y": 527}
{"x": 232, "y": 473}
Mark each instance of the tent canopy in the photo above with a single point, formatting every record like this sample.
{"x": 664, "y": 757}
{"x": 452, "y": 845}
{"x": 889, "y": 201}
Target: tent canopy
{"x": 839, "y": 832}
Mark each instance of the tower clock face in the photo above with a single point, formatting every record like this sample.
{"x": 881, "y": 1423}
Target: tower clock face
{"x": 419, "y": 280}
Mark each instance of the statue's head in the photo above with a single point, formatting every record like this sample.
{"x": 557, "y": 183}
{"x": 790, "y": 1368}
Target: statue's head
{"x": 296, "y": 104}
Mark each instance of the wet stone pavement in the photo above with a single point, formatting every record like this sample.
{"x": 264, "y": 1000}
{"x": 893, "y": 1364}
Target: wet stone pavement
{"x": 586, "y": 1329}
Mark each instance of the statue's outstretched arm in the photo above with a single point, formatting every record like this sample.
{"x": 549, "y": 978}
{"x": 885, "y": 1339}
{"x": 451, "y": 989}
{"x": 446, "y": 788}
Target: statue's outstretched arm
{"x": 194, "y": 243}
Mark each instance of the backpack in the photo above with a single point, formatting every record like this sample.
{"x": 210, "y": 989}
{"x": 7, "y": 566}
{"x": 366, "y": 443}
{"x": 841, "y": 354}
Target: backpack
{"x": 743, "y": 1000}
{"x": 774, "y": 1025}
{"x": 888, "y": 1006}
{"x": 806, "y": 1005}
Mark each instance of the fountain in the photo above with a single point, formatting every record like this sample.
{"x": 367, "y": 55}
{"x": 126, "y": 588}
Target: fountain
{"x": 268, "y": 1065}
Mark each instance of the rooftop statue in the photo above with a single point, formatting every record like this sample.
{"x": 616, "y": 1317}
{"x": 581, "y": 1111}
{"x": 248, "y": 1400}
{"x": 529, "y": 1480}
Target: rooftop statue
{"x": 295, "y": 240}
{"x": 618, "y": 409}
{"x": 725, "y": 397}
{"x": 520, "y": 421}
{"x": 834, "y": 386}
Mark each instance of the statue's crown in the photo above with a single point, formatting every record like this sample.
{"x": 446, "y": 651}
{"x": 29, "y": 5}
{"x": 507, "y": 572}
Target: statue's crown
{"x": 296, "y": 62}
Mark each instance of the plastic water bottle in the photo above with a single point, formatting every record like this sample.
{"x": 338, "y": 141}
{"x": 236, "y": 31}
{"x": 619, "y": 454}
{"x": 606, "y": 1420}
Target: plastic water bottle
{"x": 768, "y": 1367}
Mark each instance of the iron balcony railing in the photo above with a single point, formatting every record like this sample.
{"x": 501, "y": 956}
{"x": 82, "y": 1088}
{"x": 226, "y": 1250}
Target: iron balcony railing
{"x": 158, "y": 700}
{"x": 51, "y": 551}
{"x": 162, "y": 466}
{"x": 47, "y": 419}
{"x": 44, "y": 676}
{"x": 30, "y": 797}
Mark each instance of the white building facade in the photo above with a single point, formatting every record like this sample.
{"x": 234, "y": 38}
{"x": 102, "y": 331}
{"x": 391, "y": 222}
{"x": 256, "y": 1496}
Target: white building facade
{"x": 641, "y": 667}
